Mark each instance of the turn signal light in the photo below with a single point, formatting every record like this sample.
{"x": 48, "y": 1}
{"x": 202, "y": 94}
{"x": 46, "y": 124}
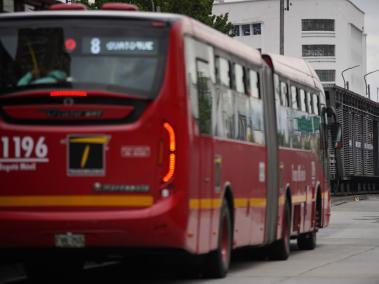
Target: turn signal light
{"x": 172, "y": 155}
{"x": 171, "y": 134}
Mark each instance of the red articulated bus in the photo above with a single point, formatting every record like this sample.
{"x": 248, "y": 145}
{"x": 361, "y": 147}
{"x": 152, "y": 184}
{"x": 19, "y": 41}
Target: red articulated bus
{"x": 126, "y": 130}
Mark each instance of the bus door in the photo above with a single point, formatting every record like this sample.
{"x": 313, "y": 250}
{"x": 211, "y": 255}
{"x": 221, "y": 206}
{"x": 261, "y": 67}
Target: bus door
{"x": 206, "y": 151}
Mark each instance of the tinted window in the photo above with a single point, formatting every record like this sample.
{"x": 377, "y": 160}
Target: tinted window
{"x": 200, "y": 76}
{"x": 277, "y": 88}
{"x": 315, "y": 104}
{"x": 242, "y": 106}
{"x": 284, "y": 93}
{"x": 254, "y": 84}
{"x": 223, "y": 71}
{"x": 228, "y": 114}
{"x": 256, "y": 123}
{"x": 108, "y": 55}
{"x": 239, "y": 78}
{"x": 309, "y": 103}
{"x": 294, "y": 103}
{"x": 204, "y": 89}
{"x": 302, "y": 100}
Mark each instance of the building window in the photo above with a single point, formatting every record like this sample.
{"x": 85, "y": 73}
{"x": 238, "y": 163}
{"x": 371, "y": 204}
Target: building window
{"x": 246, "y": 30}
{"x": 318, "y": 25}
{"x": 257, "y": 29}
{"x": 236, "y": 30}
{"x": 318, "y": 50}
{"x": 326, "y": 75}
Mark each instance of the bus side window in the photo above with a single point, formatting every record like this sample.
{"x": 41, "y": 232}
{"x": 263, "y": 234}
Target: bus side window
{"x": 217, "y": 70}
{"x": 201, "y": 69}
{"x": 223, "y": 71}
{"x": 238, "y": 71}
{"x": 232, "y": 78}
{"x": 322, "y": 101}
{"x": 254, "y": 84}
{"x": 309, "y": 103}
{"x": 277, "y": 88}
{"x": 246, "y": 80}
{"x": 315, "y": 104}
{"x": 294, "y": 98}
{"x": 242, "y": 108}
{"x": 227, "y": 112}
{"x": 255, "y": 128}
{"x": 190, "y": 49}
{"x": 205, "y": 96}
{"x": 284, "y": 94}
{"x": 302, "y": 100}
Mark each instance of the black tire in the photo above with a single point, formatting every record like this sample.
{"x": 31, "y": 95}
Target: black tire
{"x": 280, "y": 250}
{"x": 217, "y": 262}
{"x": 307, "y": 241}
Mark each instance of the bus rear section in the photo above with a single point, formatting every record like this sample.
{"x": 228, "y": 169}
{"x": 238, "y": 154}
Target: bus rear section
{"x": 88, "y": 134}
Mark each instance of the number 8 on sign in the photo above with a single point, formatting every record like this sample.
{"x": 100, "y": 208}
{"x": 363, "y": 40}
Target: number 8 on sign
{"x": 95, "y": 46}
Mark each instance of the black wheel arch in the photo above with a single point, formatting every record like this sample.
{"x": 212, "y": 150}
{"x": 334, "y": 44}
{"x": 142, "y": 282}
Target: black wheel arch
{"x": 229, "y": 198}
{"x": 319, "y": 206}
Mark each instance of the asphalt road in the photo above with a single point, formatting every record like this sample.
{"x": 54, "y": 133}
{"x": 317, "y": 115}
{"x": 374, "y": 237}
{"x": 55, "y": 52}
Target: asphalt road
{"x": 347, "y": 252}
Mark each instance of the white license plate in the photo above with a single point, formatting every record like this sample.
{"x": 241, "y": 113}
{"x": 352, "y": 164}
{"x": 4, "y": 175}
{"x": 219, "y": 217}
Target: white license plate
{"x": 70, "y": 240}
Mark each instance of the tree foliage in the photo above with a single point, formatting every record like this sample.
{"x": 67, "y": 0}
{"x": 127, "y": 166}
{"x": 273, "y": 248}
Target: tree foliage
{"x": 200, "y": 10}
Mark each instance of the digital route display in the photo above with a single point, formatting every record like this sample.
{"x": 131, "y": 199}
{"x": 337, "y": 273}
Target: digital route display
{"x": 119, "y": 46}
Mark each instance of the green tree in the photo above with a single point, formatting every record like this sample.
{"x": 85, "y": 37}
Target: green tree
{"x": 200, "y": 10}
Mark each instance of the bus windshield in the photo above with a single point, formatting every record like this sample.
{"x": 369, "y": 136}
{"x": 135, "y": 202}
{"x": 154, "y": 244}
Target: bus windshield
{"x": 124, "y": 56}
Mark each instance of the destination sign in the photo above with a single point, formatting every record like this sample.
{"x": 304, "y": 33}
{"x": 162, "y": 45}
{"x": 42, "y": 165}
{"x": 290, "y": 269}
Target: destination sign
{"x": 119, "y": 46}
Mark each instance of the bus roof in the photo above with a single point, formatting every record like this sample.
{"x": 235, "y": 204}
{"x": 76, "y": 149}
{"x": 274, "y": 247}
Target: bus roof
{"x": 190, "y": 26}
{"x": 295, "y": 69}
{"x": 93, "y": 13}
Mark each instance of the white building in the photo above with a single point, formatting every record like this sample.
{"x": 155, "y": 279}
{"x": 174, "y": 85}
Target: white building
{"x": 327, "y": 33}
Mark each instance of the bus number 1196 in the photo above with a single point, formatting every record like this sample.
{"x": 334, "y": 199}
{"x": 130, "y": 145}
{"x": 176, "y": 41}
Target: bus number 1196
{"x": 23, "y": 147}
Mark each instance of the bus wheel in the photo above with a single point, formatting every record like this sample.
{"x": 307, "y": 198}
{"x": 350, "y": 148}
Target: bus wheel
{"x": 307, "y": 241}
{"x": 218, "y": 261}
{"x": 280, "y": 250}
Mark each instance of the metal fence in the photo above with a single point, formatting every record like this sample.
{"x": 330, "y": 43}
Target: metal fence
{"x": 354, "y": 167}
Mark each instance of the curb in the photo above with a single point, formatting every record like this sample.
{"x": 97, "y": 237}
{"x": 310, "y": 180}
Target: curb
{"x": 339, "y": 200}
